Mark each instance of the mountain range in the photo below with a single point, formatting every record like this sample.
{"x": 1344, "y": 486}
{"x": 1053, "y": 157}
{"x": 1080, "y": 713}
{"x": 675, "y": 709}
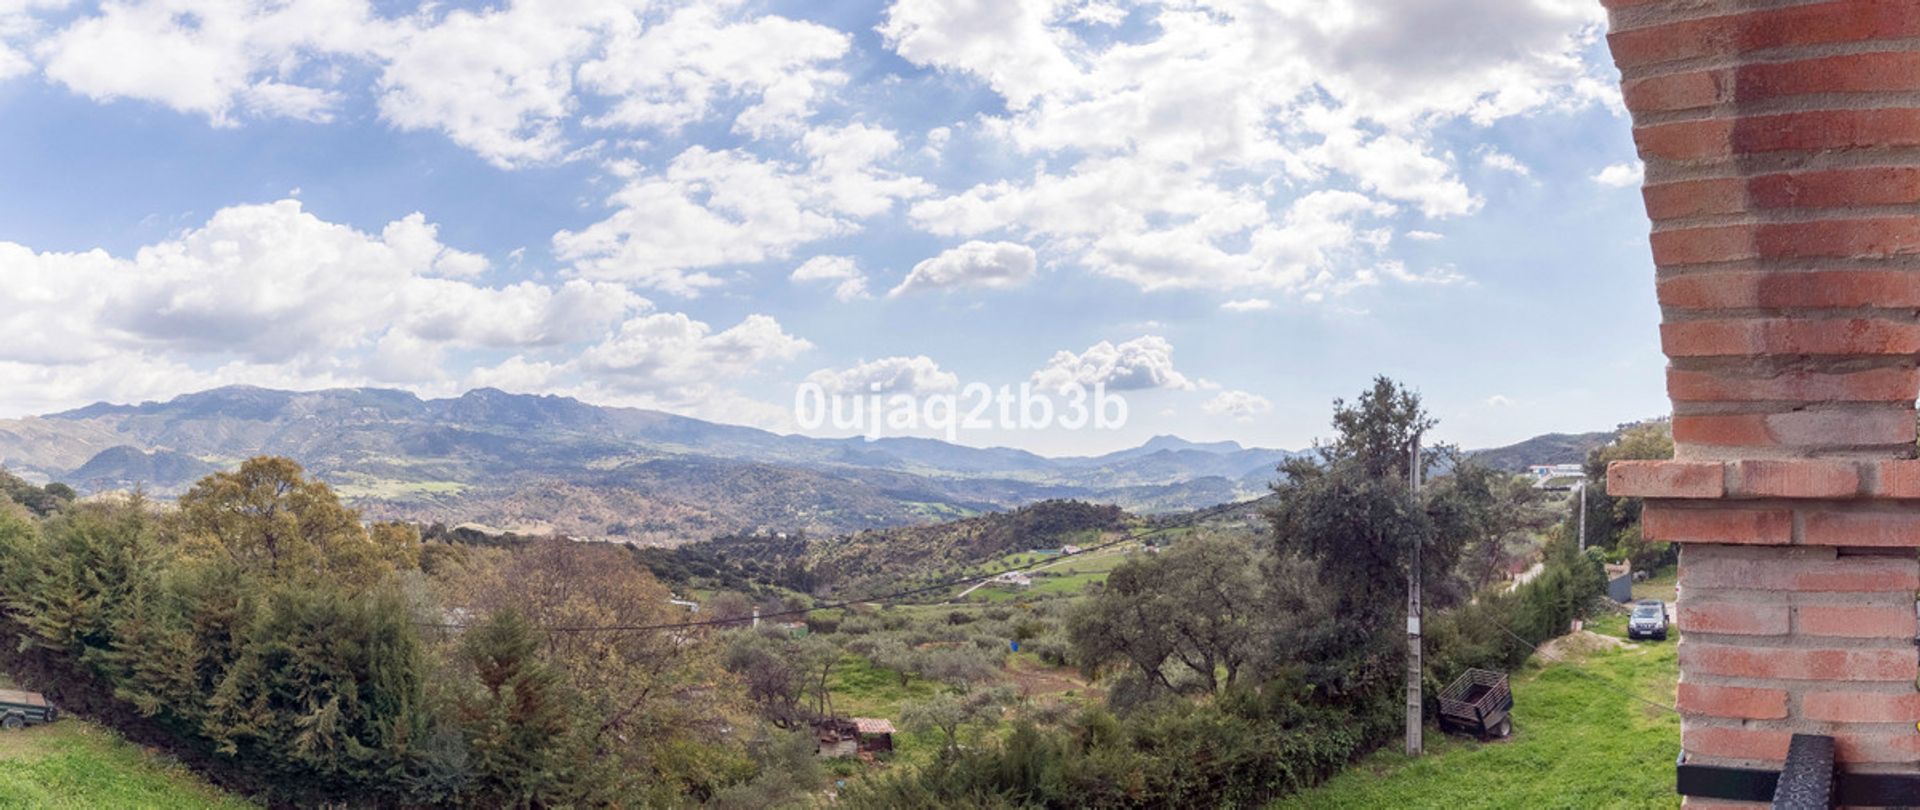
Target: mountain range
{"x": 546, "y": 463}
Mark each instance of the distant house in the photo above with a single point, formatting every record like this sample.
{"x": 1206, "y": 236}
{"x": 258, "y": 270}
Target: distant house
{"x": 1017, "y": 579}
{"x": 1070, "y": 550}
{"x": 875, "y": 734}
{"x": 692, "y": 607}
{"x": 834, "y": 738}
{"x": 1555, "y": 476}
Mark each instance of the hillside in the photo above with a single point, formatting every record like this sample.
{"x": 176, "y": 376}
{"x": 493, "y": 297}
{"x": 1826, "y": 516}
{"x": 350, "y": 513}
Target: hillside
{"x": 1550, "y": 448}
{"x": 539, "y": 463}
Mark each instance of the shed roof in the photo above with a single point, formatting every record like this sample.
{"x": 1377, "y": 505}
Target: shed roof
{"x": 870, "y": 725}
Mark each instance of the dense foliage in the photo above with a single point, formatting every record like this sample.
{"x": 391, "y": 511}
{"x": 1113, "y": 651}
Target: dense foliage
{"x": 303, "y": 656}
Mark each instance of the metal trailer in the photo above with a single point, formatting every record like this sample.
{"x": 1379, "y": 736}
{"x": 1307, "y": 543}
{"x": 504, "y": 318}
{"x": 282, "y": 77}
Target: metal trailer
{"x": 1478, "y": 703}
{"x": 21, "y": 709}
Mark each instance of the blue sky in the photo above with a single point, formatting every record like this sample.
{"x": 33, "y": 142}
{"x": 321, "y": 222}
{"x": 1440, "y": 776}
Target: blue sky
{"x": 1230, "y": 212}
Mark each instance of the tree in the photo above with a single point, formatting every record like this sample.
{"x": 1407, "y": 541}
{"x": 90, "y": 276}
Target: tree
{"x": 1198, "y": 605}
{"x": 1494, "y": 509}
{"x": 1350, "y": 512}
{"x": 268, "y": 518}
{"x": 1614, "y": 523}
{"x": 518, "y": 717}
{"x": 948, "y": 712}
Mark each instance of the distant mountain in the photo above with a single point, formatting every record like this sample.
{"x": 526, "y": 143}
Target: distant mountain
{"x": 1551, "y": 448}
{"x": 532, "y": 463}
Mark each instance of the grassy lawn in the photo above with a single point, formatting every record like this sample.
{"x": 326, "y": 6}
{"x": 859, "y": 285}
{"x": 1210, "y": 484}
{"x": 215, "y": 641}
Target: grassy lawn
{"x": 76, "y": 764}
{"x": 1658, "y": 586}
{"x": 1577, "y": 743}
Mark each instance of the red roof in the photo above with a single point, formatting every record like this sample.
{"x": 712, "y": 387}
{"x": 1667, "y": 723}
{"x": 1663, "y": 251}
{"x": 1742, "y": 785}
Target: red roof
{"x": 869, "y": 725}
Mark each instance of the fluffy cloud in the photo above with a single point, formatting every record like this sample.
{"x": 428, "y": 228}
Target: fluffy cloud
{"x": 1238, "y": 405}
{"x": 888, "y": 375}
{"x": 1141, "y": 363}
{"x": 710, "y": 208}
{"x": 273, "y": 295}
{"x": 1621, "y": 175}
{"x": 1145, "y": 146}
{"x": 214, "y": 58}
{"x": 505, "y": 81}
{"x": 1495, "y": 159}
{"x": 993, "y": 265}
{"x": 842, "y": 271}
{"x": 1247, "y": 305}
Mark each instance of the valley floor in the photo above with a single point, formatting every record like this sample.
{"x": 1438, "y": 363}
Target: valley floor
{"x": 1581, "y": 740}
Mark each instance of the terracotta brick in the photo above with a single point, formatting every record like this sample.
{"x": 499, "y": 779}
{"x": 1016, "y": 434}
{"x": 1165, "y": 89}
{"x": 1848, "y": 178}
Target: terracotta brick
{"x": 1734, "y": 743}
{"x": 1834, "y": 238}
{"x": 1733, "y": 618}
{"x": 1836, "y": 188}
{"x": 1816, "y": 130}
{"x": 1805, "y": 574}
{"x": 1826, "y": 528}
{"x": 1898, "y": 479}
{"x": 1732, "y": 701}
{"x": 1872, "y": 385}
{"x": 1813, "y": 24}
{"x": 1798, "y": 664}
{"x": 1795, "y": 478}
{"x": 1665, "y": 479}
{"x": 1678, "y": 91}
{"x": 1826, "y": 428}
{"x": 1878, "y": 72}
{"x": 1864, "y": 748}
{"x": 1804, "y": 290}
{"x": 1856, "y": 621}
{"x": 1747, "y": 526}
{"x": 1756, "y": 336}
{"x": 1861, "y": 707}
{"x": 1692, "y": 198}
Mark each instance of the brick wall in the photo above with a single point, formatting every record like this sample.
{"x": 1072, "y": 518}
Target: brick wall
{"x": 1782, "y": 146}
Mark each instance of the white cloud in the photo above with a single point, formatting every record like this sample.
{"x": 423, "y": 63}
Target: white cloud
{"x": 709, "y": 209}
{"x": 214, "y": 57}
{"x": 273, "y": 295}
{"x": 1247, "y": 305}
{"x": 888, "y": 375}
{"x": 1424, "y": 236}
{"x": 669, "y": 350}
{"x": 1144, "y": 147}
{"x": 1238, "y": 405}
{"x": 849, "y": 283}
{"x": 1499, "y": 401}
{"x": 1621, "y": 175}
{"x": 1495, "y": 159}
{"x": 1141, "y": 363}
{"x": 993, "y": 265}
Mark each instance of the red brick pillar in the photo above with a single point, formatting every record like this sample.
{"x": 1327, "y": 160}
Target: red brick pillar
{"x": 1782, "y": 146}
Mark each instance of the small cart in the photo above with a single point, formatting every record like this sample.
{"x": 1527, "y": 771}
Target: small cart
{"x": 1478, "y": 703}
{"x": 21, "y": 709}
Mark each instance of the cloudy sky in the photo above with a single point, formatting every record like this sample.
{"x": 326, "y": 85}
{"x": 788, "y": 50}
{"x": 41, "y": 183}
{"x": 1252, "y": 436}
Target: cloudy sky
{"x": 1231, "y": 210}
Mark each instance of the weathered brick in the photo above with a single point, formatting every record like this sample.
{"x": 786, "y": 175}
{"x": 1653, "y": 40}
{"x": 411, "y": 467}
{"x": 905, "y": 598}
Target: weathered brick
{"x": 1798, "y": 664}
{"x": 1877, "y": 72}
{"x": 1665, "y": 479}
{"x": 1830, "y": 528}
{"x": 1812, "y": 24}
{"x": 1733, "y": 618}
{"x": 1871, "y": 385}
{"x": 1816, "y": 130}
{"x": 1732, "y": 701}
{"x": 1734, "y": 743}
{"x": 1831, "y": 289}
{"x": 1750, "y": 526}
{"x": 1898, "y": 478}
{"x": 1824, "y": 428}
{"x": 1828, "y": 238}
{"x": 1793, "y": 478}
{"x": 1789, "y": 336}
{"x": 1857, "y": 748}
{"x": 1856, "y": 621}
{"x": 1808, "y": 570}
{"x": 1836, "y": 188}
{"x": 1861, "y": 707}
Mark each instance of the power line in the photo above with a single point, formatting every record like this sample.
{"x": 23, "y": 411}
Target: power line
{"x": 1192, "y": 518}
{"x": 1608, "y": 682}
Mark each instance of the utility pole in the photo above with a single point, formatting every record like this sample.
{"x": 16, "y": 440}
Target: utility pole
{"x": 1583, "y": 514}
{"x": 1415, "y": 712}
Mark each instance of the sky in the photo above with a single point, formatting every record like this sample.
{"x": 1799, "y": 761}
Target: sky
{"x": 1226, "y": 212}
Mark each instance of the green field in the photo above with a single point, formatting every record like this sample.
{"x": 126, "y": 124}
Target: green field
{"x": 1578, "y": 742}
{"x": 76, "y": 764}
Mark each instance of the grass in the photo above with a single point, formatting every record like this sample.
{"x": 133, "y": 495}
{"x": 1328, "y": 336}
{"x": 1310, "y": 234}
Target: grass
{"x": 1579, "y": 741}
{"x": 76, "y": 764}
{"x": 1661, "y": 585}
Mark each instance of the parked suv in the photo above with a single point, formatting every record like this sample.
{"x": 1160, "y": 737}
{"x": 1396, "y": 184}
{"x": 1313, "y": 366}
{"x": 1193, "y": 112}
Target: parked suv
{"x": 1649, "y": 620}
